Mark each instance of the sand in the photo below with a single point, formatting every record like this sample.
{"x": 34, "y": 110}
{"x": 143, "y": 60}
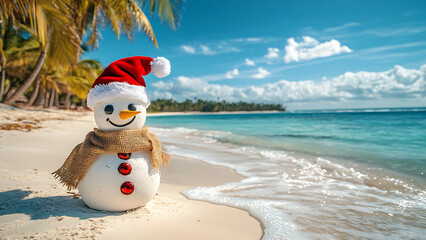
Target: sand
{"x": 34, "y": 205}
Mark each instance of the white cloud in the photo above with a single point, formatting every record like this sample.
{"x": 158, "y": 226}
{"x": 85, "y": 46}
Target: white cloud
{"x": 188, "y": 88}
{"x": 210, "y": 49}
{"x": 249, "y": 40}
{"x": 261, "y": 73}
{"x": 310, "y": 48}
{"x": 206, "y": 50}
{"x": 396, "y": 83}
{"x": 188, "y": 49}
{"x": 342, "y": 27}
{"x": 249, "y": 62}
{"x": 402, "y": 31}
{"x": 232, "y": 74}
{"x": 254, "y": 39}
{"x": 272, "y": 53}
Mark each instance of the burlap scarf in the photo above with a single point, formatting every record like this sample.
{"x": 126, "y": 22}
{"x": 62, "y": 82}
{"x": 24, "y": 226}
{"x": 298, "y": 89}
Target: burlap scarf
{"x": 98, "y": 142}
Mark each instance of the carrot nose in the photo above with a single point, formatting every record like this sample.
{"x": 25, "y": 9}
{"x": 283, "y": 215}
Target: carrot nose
{"x": 128, "y": 114}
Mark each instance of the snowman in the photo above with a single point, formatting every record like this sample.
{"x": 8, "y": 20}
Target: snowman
{"x": 116, "y": 168}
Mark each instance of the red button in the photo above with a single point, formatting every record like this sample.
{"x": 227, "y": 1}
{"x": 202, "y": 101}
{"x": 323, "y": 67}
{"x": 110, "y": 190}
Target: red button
{"x": 125, "y": 168}
{"x": 127, "y": 188}
{"x": 124, "y": 156}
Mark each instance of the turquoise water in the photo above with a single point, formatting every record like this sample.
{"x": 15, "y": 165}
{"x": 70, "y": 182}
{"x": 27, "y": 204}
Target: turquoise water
{"x": 313, "y": 175}
{"x": 394, "y": 140}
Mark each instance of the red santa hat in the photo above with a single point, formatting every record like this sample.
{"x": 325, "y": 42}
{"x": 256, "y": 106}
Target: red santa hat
{"x": 123, "y": 79}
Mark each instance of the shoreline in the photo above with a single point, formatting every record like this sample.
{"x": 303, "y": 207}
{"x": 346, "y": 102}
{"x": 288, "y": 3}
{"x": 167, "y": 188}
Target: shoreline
{"x": 33, "y": 198}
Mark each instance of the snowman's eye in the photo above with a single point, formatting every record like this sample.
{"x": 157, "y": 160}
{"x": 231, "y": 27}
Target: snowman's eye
{"x": 131, "y": 107}
{"x": 109, "y": 109}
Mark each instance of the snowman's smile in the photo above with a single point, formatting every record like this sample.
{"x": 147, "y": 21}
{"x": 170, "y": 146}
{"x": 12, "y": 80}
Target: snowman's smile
{"x": 122, "y": 125}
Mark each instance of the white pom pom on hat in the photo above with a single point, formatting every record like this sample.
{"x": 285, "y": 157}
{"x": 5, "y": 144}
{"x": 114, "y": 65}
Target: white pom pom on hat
{"x": 160, "y": 67}
{"x": 123, "y": 79}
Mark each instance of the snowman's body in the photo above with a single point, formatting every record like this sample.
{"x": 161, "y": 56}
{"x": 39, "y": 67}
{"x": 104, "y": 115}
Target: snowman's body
{"x": 100, "y": 187}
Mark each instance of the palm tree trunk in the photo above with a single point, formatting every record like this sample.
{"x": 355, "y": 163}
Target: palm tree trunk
{"x": 46, "y": 97}
{"x": 30, "y": 79}
{"x": 40, "y": 97}
{"x": 10, "y": 90}
{"x": 6, "y": 90}
{"x": 34, "y": 94}
{"x": 67, "y": 102}
{"x": 56, "y": 100}
{"x": 3, "y": 79}
{"x": 52, "y": 97}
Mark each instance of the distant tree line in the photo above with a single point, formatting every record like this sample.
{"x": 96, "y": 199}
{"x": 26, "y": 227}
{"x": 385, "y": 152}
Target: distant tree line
{"x": 170, "y": 105}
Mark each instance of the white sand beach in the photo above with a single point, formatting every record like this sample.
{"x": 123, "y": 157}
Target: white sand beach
{"x": 34, "y": 205}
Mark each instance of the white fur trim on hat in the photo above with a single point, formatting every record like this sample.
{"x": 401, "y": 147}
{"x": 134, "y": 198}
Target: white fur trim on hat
{"x": 115, "y": 90}
{"x": 160, "y": 67}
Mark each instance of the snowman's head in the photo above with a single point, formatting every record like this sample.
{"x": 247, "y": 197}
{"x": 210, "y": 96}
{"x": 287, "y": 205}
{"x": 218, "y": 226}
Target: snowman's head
{"x": 120, "y": 114}
{"x": 118, "y": 96}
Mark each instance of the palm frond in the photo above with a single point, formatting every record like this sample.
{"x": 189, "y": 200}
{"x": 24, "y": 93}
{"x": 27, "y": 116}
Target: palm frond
{"x": 94, "y": 36}
{"x": 167, "y": 10}
{"x": 78, "y": 85}
{"x": 48, "y": 20}
{"x": 109, "y": 13}
{"x": 18, "y": 47}
{"x": 143, "y": 22}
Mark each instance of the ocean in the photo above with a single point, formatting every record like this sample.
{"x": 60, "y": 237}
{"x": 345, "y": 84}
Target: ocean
{"x": 343, "y": 174}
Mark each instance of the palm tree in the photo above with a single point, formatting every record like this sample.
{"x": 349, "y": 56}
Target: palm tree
{"x": 17, "y": 50}
{"x": 49, "y": 21}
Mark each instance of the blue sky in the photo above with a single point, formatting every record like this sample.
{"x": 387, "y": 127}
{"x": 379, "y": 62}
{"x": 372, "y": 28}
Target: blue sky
{"x": 303, "y": 54}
